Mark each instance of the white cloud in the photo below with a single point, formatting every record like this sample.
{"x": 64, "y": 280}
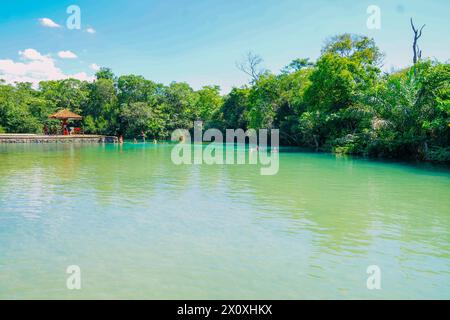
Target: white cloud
{"x": 91, "y": 30}
{"x": 46, "y": 22}
{"x": 32, "y": 54}
{"x": 35, "y": 68}
{"x": 67, "y": 55}
{"x": 94, "y": 67}
{"x": 83, "y": 76}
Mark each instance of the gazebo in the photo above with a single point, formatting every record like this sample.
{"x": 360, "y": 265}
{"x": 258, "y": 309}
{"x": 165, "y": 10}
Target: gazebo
{"x": 65, "y": 115}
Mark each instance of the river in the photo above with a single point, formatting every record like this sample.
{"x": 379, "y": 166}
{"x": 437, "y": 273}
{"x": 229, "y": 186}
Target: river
{"x": 139, "y": 226}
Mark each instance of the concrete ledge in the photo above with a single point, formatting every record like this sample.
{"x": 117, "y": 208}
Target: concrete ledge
{"x": 32, "y": 138}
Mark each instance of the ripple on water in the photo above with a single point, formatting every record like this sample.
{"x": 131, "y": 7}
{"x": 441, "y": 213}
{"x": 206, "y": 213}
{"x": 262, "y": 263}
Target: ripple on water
{"x": 139, "y": 225}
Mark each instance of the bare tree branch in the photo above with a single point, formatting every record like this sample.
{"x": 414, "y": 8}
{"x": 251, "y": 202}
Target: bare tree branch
{"x": 420, "y": 32}
{"x": 412, "y": 25}
{"x": 250, "y": 65}
{"x": 417, "y": 53}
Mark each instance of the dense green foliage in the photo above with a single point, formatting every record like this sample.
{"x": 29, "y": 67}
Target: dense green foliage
{"x": 341, "y": 103}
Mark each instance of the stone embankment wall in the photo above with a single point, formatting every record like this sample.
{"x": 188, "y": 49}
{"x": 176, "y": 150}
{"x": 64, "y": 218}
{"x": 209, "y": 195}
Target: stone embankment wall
{"x": 25, "y": 138}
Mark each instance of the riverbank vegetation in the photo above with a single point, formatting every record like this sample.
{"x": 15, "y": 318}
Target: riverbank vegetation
{"x": 341, "y": 103}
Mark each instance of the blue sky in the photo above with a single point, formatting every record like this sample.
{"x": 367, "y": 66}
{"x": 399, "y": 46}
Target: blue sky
{"x": 199, "y": 41}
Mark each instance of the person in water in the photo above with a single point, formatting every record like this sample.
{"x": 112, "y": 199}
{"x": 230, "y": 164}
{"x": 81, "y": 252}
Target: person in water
{"x": 121, "y": 139}
{"x": 143, "y": 136}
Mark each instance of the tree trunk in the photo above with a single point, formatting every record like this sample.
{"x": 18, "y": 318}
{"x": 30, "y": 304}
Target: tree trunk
{"x": 316, "y": 142}
{"x": 417, "y": 53}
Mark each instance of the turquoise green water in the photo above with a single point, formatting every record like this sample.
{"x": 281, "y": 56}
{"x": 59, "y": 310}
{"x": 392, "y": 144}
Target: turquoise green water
{"x": 140, "y": 227}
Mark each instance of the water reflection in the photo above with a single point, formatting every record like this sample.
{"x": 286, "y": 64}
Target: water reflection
{"x": 319, "y": 217}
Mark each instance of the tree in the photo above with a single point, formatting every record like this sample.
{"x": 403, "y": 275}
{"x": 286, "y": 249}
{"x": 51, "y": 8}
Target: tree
{"x": 264, "y": 101}
{"x": 355, "y": 47}
{"x": 291, "y": 104}
{"x": 235, "y": 108}
{"x": 69, "y": 94}
{"x": 102, "y": 110}
{"x": 412, "y": 111}
{"x": 251, "y": 65}
{"x": 297, "y": 65}
{"x": 135, "y": 118}
{"x": 15, "y": 115}
{"x": 347, "y": 68}
{"x": 417, "y": 53}
{"x": 208, "y": 103}
{"x": 105, "y": 73}
{"x": 178, "y": 104}
{"x": 132, "y": 88}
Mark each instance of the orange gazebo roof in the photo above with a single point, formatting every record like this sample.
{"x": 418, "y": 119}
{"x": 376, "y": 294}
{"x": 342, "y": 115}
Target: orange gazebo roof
{"x": 65, "y": 114}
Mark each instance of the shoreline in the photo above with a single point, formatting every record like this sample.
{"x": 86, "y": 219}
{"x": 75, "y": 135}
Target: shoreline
{"x": 35, "y": 138}
{"x": 26, "y": 138}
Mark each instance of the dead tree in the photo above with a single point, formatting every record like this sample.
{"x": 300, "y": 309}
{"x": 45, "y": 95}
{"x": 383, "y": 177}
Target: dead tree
{"x": 416, "y": 50}
{"x": 251, "y": 66}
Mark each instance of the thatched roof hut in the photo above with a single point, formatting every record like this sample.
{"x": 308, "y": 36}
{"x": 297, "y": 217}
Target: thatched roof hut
{"x": 65, "y": 115}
